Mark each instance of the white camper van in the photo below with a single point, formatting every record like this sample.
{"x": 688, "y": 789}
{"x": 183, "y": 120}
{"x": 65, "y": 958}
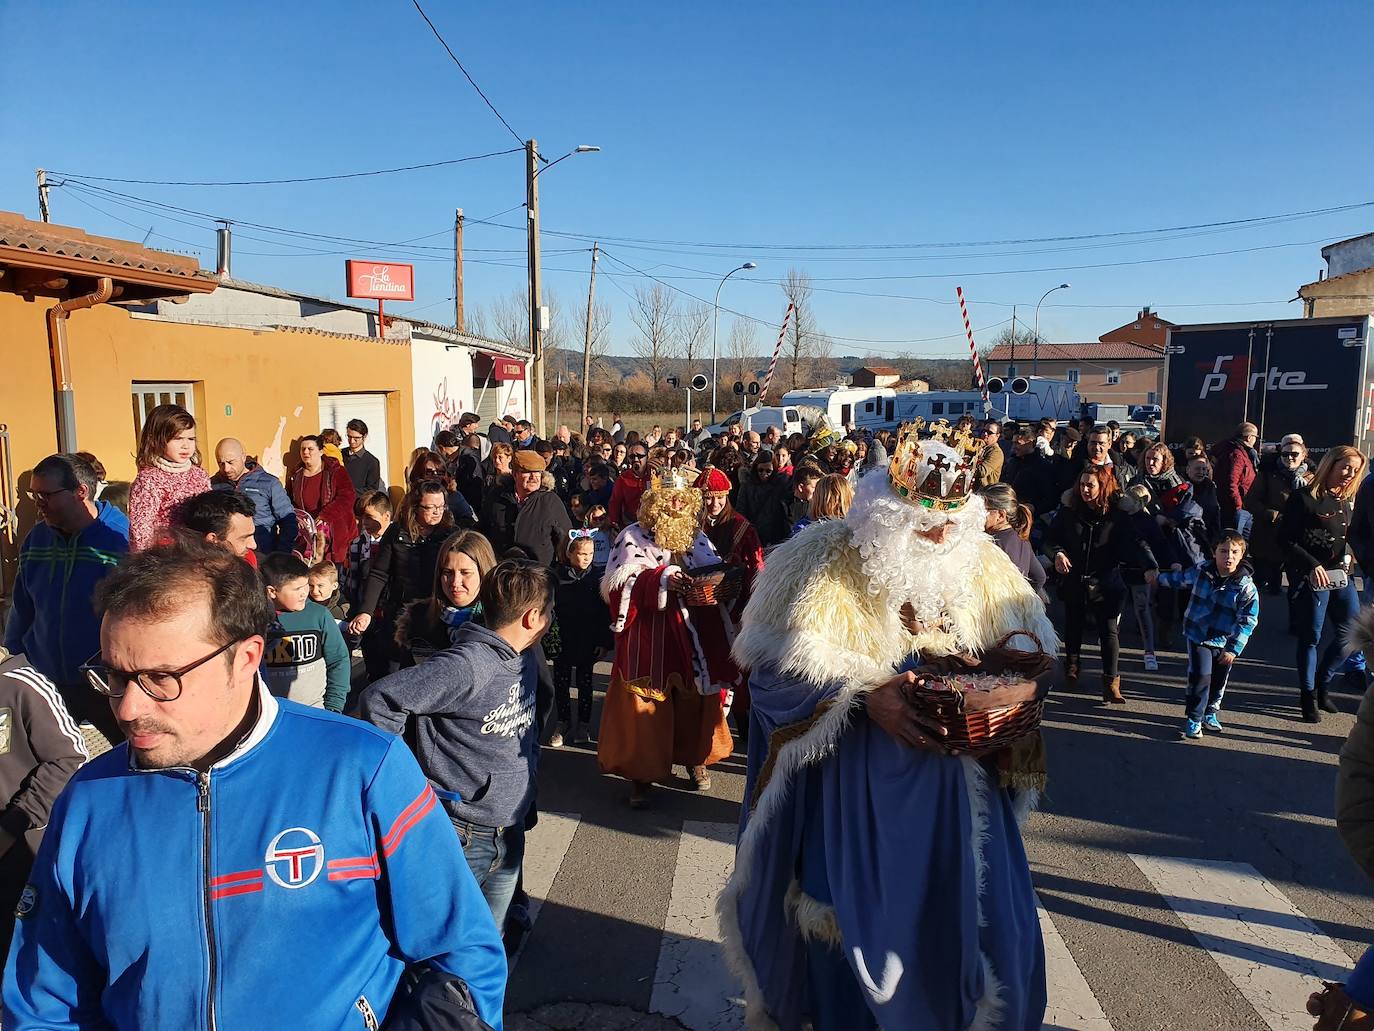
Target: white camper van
{"x": 858, "y": 407}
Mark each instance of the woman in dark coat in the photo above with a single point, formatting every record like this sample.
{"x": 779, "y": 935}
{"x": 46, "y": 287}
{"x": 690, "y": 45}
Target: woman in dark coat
{"x": 1089, "y": 539}
{"x": 764, "y": 496}
{"x": 1313, "y": 535}
{"x": 1279, "y": 475}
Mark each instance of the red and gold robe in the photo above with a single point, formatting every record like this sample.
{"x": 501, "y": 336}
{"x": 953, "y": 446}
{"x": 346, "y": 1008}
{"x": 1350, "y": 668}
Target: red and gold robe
{"x": 672, "y": 674}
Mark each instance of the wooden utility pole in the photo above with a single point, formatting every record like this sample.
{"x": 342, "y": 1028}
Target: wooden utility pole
{"x": 587, "y": 343}
{"x": 536, "y": 316}
{"x": 458, "y": 270}
{"x": 1011, "y": 364}
{"x": 43, "y": 196}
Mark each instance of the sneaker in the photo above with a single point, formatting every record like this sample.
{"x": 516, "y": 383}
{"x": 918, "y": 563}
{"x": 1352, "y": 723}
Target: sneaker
{"x": 1192, "y": 729}
{"x": 556, "y": 741}
{"x": 1151, "y": 663}
{"x": 700, "y": 778}
{"x": 1211, "y": 722}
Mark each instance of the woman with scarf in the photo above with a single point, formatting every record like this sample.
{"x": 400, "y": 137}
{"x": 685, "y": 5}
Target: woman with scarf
{"x": 1313, "y": 535}
{"x": 321, "y": 487}
{"x": 1088, "y": 540}
{"x": 1278, "y": 477}
{"x": 428, "y": 625}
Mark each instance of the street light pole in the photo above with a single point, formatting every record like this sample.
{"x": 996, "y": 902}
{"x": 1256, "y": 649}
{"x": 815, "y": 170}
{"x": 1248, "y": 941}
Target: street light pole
{"x": 715, "y": 323}
{"x": 1035, "y": 359}
{"x": 532, "y": 173}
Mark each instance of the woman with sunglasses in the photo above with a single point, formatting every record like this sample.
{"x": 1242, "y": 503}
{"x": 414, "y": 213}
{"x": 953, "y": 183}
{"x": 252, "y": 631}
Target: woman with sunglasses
{"x": 1279, "y": 475}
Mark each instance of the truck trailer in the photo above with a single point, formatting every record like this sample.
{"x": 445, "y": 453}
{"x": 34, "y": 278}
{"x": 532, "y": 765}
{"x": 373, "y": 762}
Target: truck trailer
{"x": 1308, "y": 376}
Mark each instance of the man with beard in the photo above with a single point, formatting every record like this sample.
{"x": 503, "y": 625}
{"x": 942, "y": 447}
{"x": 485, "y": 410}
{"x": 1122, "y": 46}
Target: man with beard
{"x": 880, "y": 880}
{"x": 672, "y": 675}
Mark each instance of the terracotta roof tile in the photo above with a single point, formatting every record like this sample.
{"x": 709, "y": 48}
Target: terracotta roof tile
{"x": 67, "y": 242}
{"x": 1118, "y": 351}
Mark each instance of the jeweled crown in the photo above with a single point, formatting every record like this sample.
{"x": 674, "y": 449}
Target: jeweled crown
{"x": 670, "y": 479}
{"x": 929, "y": 473}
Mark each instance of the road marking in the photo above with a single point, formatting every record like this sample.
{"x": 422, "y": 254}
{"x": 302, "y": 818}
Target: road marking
{"x": 1072, "y": 1005}
{"x": 545, "y": 848}
{"x": 1271, "y": 952}
{"x": 692, "y": 981}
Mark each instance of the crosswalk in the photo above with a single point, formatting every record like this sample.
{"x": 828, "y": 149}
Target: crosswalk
{"x": 1258, "y": 939}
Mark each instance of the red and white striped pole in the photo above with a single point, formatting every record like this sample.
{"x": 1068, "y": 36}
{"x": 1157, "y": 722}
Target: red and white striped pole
{"x": 776, "y": 351}
{"x": 973, "y": 352}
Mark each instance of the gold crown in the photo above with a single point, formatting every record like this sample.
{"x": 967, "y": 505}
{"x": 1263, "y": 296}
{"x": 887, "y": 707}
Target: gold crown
{"x": 670, "y": 479}
{"x": 929, "y": 473}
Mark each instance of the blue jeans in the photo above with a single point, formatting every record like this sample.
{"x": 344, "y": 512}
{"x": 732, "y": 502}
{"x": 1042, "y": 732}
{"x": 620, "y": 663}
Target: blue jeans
{"x": 1310, "y": 612}
{"x": 1206, "y": 681}
{"x": 494, "y": 856}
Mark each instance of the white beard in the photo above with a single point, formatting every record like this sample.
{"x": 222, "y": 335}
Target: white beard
{"x": 907, "y": 567}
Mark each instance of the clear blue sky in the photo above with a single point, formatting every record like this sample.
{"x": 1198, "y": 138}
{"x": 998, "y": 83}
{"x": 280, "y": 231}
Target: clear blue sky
{"x": 762, "y": 123}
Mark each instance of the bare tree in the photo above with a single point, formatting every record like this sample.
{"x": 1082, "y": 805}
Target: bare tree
{"x": 507, "y": 319}
{"x": 742, "y": 349}
{"x": 601, "y": 335}
{"x": 804, "y": 343}
{"x": 694, "y": 335}
{"x": 655, "y": 315}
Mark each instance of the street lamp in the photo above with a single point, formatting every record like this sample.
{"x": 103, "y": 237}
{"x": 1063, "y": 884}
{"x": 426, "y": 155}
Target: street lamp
{"x": 532, "y": 173}
{"x": 715, "y": 320}
{"x": 1035, "y": 344}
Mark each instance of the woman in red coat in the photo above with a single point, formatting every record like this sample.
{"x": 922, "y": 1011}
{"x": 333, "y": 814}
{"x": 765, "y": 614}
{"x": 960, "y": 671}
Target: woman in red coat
{"x": 320, "y": 486}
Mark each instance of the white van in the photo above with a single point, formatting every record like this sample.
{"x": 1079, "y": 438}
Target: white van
{"x": 786, "y": 418}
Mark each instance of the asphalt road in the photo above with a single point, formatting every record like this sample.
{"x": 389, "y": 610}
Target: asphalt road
{"x": 1184, "y": 884}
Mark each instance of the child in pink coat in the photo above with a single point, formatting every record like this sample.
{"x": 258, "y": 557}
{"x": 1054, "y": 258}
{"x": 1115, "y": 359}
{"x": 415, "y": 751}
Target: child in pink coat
{"x": 168, "y": 473}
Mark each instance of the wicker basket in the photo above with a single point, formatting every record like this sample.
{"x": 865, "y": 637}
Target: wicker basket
{"x": 987, "y": 706}
{"x": 712, "y": 585}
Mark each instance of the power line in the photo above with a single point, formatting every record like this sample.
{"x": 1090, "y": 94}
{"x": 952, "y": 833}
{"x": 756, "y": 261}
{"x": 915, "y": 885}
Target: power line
{"x": 284, "y": 182}
{"x": 470, "y": 79}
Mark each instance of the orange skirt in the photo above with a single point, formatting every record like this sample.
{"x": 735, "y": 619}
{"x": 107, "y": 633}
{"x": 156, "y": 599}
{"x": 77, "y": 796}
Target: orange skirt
{"x": 641, "y": 738}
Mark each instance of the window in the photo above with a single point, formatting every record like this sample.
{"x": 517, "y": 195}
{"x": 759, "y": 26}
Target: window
{"x": 1071, "y": 375}
{"x": 148, "y": 396}
{"x": 1113, "y": 377}
{"x": 937, "y": 408}
{"x": 868, "y": 406}
{"x": 1011, "y": 371}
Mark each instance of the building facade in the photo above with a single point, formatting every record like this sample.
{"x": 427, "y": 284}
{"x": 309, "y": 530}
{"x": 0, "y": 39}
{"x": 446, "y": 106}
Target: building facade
{"x": 1347, "y": 286}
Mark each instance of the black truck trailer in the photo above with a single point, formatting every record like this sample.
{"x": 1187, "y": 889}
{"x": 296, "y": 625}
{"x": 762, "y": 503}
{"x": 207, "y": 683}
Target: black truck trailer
{"x": 1308, "y": 376}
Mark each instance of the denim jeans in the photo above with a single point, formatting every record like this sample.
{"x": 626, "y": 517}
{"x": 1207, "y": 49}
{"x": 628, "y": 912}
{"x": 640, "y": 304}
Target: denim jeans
{"x": 1207, "y": 678}
{"x": 494, "y": 856}
{"x": 1310, "y": 612}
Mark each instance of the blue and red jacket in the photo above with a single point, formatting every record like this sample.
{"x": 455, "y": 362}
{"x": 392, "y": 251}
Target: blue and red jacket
{"x": 287, "y": 887}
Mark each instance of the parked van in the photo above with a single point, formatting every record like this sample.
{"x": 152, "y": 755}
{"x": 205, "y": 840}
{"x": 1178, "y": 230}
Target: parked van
{"x": 858, "y": 407}
{"x": 787, "y": 418}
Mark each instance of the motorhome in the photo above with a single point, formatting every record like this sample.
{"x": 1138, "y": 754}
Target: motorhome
{"x": 849, "y": 407}
{"x": 1022, "y": 398}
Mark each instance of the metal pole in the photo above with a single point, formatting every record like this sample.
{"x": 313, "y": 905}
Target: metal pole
{"x": 536, "y": 329}
{"x": 587, "y": 345}
{"x": 715, "y": 323}
{"x": 1011, "y": 365}
{"x": 458, "y": 270}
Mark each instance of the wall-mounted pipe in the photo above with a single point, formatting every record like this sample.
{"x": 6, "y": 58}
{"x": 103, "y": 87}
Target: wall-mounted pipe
{"x": 64, "y": 399}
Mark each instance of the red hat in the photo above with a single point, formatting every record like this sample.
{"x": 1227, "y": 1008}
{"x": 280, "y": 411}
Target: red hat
{"x": 713, "y": 481}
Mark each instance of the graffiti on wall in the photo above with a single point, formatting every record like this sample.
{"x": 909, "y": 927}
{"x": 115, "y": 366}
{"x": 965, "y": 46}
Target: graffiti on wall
{"x": 446, "y": 409}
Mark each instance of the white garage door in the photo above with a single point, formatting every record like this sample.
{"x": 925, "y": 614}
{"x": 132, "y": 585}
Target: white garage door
{"x": 337, "y": 409}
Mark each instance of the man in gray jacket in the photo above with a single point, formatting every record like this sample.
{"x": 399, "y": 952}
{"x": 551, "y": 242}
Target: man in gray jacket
{"x": 274, "y": 517}
{"x": 476, "y": 733}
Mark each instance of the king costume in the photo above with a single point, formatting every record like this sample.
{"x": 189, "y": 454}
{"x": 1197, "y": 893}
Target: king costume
{"x": 672, "y": 676}
{"x": 877, "y": 884}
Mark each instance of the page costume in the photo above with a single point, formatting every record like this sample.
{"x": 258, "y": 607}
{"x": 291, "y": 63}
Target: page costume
{"x": 672, "y": 674}
{"x": 877, "y": 884}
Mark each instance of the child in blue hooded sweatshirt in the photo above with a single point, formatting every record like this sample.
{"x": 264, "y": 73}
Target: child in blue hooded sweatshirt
{"x": 474, "y": 729}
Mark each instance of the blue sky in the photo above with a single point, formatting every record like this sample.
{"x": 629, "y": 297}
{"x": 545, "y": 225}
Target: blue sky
{"x": 777, "y": 124}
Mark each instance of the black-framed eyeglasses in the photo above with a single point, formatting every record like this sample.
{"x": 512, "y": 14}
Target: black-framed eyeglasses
{"x": 46, "y": 495}
{"x": 161, "y": 685}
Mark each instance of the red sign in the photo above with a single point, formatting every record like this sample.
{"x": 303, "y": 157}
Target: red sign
{"x": 507, "y": 369}
{"x": 381, "y": 280}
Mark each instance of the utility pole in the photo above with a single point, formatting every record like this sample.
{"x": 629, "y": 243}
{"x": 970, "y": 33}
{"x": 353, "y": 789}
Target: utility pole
{"x": 536, "y": 316}
{"x": 458, "y": 270}
{"x": 43, "y": 196}
{"x": 587, "y": 343}
{"x": 1011, "y": 363}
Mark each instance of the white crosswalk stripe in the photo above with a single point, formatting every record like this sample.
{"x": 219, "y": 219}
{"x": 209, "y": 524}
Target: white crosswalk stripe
{"x": 1260, "y": 941}
{"x": 1271, "y": 952}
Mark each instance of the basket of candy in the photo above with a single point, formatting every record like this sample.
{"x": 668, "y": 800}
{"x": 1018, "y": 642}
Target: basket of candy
{"x": 712, "y": 585}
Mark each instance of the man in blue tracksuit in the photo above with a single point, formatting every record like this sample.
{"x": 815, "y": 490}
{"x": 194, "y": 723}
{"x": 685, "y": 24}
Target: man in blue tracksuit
{"x": 242, "y": 861}
{"x": 274, "y": 517}
{"x": 63, "y": 558}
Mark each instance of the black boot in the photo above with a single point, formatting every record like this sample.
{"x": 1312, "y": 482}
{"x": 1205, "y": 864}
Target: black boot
{"x": 1324, "y": 702}
{"x": 1309, "y": 708}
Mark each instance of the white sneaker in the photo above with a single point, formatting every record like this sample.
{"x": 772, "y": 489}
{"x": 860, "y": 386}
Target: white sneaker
{"x": 1151, "y": 663}
{"x": 556, "y": 741}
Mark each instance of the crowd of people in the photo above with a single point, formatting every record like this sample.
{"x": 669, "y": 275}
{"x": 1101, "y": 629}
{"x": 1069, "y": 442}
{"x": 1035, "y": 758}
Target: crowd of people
{"x": 459, "y": 611}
